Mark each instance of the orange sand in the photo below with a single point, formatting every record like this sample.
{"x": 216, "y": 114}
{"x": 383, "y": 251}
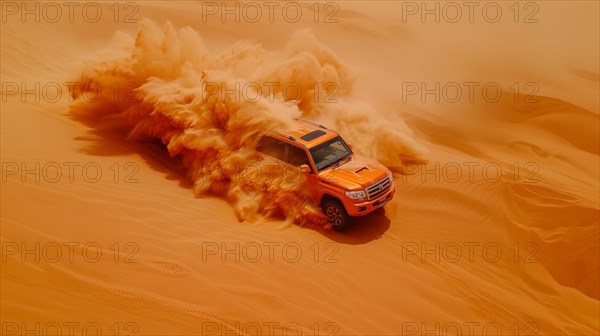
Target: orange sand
{"x": 118, "y": 241}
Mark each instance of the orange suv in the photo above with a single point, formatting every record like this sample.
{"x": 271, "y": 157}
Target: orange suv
{"x": 341, "y": 182}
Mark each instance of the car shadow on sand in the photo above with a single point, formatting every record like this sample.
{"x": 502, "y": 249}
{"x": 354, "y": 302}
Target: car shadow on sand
{"x": 361, "y": 230}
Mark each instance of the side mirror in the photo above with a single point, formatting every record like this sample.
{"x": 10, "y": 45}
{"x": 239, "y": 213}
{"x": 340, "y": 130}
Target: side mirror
{"x": 305, "y": 169}
{"x": 350, "y": 146}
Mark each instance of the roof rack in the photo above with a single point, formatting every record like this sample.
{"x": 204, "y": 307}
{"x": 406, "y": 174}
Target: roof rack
{"x": 312, "y": 122}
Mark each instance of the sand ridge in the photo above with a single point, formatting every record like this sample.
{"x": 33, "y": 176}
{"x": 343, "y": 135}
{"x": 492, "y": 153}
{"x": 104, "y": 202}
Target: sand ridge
{"x": 469, "y": 253}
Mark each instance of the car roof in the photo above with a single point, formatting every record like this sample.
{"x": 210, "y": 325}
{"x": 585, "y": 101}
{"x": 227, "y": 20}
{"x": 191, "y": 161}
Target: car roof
{"x": 306, "y": 133}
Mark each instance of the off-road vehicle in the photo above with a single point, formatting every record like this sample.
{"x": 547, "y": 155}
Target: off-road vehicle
{"x": 341, "y": 182}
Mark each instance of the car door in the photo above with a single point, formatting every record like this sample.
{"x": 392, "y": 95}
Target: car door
{"x": 297, "y": 156}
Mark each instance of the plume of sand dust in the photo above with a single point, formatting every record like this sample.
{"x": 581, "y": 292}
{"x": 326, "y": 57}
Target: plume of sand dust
{"x": 210, "y": 111}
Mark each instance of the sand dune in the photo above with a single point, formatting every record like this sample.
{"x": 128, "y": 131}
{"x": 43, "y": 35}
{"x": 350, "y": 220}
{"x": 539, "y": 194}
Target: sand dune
{"x": 110, "y": 222}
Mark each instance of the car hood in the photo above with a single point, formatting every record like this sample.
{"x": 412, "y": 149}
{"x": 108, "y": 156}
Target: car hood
{"x": 354, "y": 174}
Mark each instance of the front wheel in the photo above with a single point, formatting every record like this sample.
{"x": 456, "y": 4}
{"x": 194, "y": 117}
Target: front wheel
{"x": 336, "y": 214}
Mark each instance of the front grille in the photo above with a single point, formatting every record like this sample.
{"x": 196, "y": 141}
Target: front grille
{"x": 378, "y": 188}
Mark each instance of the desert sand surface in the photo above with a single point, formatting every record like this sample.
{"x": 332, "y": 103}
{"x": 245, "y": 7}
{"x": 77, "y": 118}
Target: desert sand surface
{"x": 110, "y": 223}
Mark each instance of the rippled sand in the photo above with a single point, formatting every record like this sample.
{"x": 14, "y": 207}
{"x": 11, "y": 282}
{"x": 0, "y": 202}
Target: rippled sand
{"x": 494, "y": 229}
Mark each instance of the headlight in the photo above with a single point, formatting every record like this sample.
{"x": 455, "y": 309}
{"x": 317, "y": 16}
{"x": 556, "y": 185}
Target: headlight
{"x": 359, "y": 194}
{"x": 390, "y": 175}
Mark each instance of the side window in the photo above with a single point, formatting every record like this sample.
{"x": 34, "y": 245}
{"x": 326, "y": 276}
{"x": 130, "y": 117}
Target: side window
{"x": 272, "y": 147}
{"x": 297, "y": 156}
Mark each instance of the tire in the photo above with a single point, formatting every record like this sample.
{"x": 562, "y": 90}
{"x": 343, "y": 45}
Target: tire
{"x": 336, "y": 214}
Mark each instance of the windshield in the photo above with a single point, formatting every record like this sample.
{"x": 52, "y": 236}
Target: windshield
{"x": 329, "y": 153}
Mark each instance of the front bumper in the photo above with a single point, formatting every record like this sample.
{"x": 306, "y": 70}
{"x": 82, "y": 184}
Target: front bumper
{"x": 366, "y": 207}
